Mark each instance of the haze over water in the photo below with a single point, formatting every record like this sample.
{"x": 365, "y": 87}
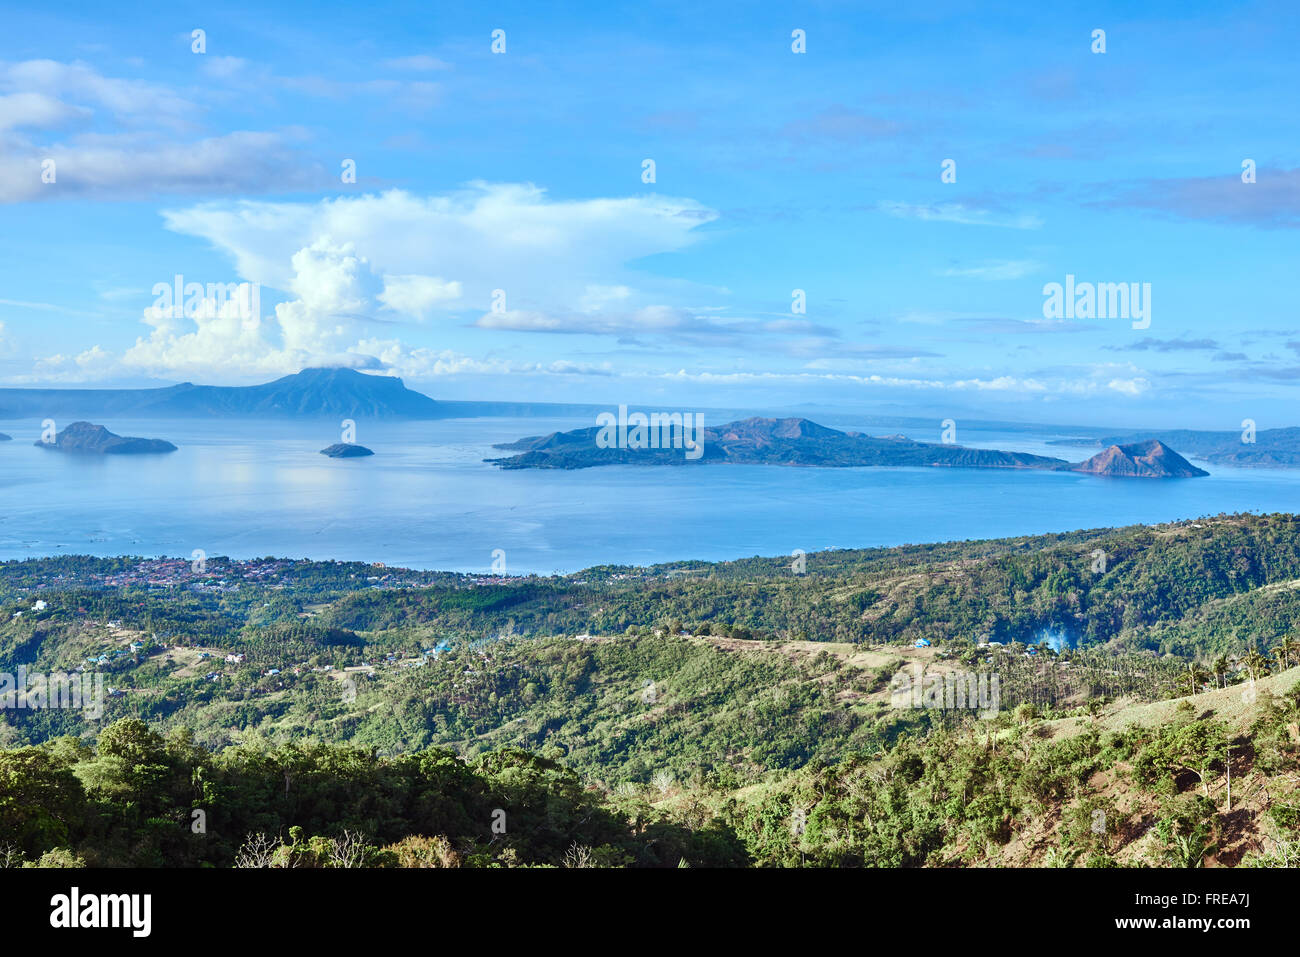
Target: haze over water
{"x": 427, "y": 500}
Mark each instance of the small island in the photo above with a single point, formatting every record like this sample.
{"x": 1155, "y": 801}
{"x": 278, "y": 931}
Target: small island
{"x": 89, "y": 439}
{"x": 800, "y": 442}
{"x": 346, "y": 450}
{"x": 1149, "y": 459}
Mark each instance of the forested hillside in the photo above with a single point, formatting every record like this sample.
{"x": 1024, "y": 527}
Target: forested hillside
{"x": 716, "y": 698}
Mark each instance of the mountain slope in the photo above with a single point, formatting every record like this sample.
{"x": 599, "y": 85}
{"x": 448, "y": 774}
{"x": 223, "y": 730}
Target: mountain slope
{"x": 88, "y": 439}
{"x": 311, "y": 392}
{"x": 1267, "y": 448}
{"x": 1149, "y": 459}
{"x": 796, "y": 441}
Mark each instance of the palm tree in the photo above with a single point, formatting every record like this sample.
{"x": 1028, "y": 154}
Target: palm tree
{"x": 1255, "y": 663}
{"x": 1195, "y": 677}
{"x": 1220, "y": 669}
{"x": 1283, "y": 650}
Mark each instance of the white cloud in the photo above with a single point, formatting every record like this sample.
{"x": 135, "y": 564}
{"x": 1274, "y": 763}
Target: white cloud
{"x": 542, "y": 252}
{"x": 143, "y": 144}
{"x": 345, "y": 260}
{"x": 650, "y": 319}
{"x": 36, "y": 110}
{"x": 78, "y": 81}
{"x": 423, "y": 363}
{"x": 598, "y": 297}
{"x": 959, "y": 213}
{"x": 224, "y": 339}
{"x": 417, "y": 295}
{"x": 93, "y": 363}
{"x": 1090, "y": 385}
{"x": 126, "y": 166}
{"x": 224, "y": 67}
{"x": 1129, "y": 386}
{"x": 995, "y": 271}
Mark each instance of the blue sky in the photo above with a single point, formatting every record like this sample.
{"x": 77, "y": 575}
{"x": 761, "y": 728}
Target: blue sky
{"x": 774, "y": 171}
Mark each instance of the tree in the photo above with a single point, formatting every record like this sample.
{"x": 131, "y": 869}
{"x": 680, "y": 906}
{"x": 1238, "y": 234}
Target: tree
{"x": 1283, "y": 650}
{"x": 257, "y": 851}
{"x": 41, "y": 800}
{"x": 1255, "y": 663}
{"x": 1195, "y": 676}
{"x": 1194, "y": 746}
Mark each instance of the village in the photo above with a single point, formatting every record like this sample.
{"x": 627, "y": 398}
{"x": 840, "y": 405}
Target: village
{"x": 120, "y": 648}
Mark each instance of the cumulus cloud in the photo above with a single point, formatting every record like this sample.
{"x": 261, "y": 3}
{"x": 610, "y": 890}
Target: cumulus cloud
{"x": 349, "y": 261}
{"x": 417, "y": 295}
{"x": 541, "y": 252}
{"x": 92, "y": 363}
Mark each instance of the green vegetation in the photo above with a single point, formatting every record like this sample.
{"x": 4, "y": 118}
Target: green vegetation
{"x": 739, "y": 713}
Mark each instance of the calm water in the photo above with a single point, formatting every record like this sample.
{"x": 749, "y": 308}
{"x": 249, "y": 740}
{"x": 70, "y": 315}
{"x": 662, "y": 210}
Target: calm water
{"x": 426, "y": 500}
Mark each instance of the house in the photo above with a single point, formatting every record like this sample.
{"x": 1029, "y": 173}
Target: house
{"x": 234, "y": 659}
{"x": 922, "y": 643}
{"x": 39, "y": 606}
{"x": 137, "y": 646}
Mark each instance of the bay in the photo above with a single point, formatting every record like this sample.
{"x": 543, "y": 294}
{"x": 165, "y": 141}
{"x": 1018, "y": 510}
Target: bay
{"x": 427, "y": 500}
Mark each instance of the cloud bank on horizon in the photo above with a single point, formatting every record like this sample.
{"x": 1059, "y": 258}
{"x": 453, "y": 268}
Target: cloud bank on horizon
{"x": 693, "y": 210}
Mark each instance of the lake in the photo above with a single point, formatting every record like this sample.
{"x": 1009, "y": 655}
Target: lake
{"x": 427, "y": 500}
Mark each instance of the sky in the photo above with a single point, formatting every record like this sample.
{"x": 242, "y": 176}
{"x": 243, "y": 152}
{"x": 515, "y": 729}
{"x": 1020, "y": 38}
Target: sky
{"x": 872, "y": 223}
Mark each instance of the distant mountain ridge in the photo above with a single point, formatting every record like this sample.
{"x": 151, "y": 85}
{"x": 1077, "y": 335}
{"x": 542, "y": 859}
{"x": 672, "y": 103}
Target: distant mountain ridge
{"x": 1267, "y": 448}
{"x": 320, "y": 392}
{"x": 801, "y": 442}
{"x": 311, "y": 392}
